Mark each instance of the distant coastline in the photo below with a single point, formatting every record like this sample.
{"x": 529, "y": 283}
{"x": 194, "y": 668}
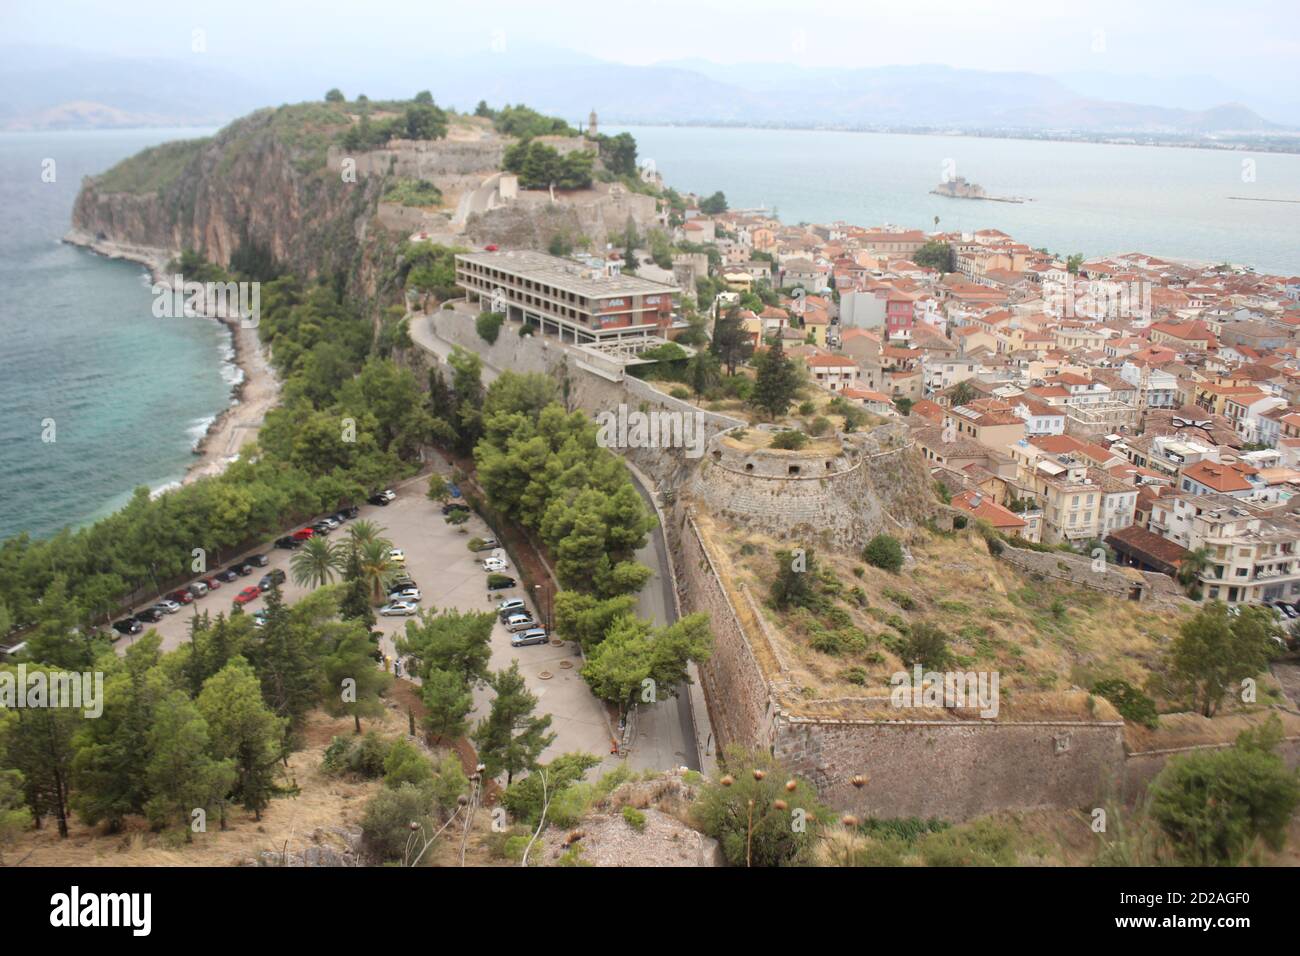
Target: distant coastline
{"x": 251, "y": 397}
{"x": 1241, "y": 144}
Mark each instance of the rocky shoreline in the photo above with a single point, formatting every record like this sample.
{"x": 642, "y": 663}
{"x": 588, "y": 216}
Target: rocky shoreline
{"x": 251, "y": 398}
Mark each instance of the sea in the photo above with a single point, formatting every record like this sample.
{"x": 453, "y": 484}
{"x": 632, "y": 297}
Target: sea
{"x": 126, "y": 396}
{"x": 1200, "y": 205}
{"x": 97, "y": 396}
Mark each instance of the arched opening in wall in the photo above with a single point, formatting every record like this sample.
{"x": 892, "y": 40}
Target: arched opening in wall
{"x": 830, "y": 465}
{"x": 717, "y": 455}
{"x": 749, "y": 466}
{"x": 794, "y": 469}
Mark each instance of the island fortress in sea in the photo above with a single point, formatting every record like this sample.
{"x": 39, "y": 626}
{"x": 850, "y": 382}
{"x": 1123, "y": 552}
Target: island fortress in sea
{"x": 959, "y": 188}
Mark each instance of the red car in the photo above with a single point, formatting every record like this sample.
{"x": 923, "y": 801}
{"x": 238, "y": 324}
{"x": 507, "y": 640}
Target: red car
{"x": 212, "y": 583}
{"x": 183, "y": 596}
{"x": 302, "y": 534}
{"x": 248, "y": 594}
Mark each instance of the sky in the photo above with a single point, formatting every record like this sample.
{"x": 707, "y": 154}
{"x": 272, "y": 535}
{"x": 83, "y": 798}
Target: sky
{"x": 1251, "y": 45}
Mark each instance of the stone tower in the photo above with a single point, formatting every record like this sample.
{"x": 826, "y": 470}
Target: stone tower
{"x": 591, "y": 123}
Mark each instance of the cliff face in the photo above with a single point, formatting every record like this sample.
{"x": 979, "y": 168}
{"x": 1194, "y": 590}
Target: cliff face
{"x": 252, "y": 182}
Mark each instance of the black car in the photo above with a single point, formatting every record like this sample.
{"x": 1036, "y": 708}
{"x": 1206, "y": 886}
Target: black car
{"x": 500, "y": 582}
{"x": 348, "y": 513}
{"x": 320, "y": 527}
{"x": 488, "y": 544}
{"x": 378, "y": 500}
{"x": 270, "y": 579}
{"x": 226, "y": 576}
{"x": 259, "y": 560}
{"x": 243, "y": 569}
{"x": 128, "y": 625}
{"x": 400, "y": 583}
{"x": 150, "y": 615}
{"x": 287, "y": 543}
{"x": 453, "y": 506}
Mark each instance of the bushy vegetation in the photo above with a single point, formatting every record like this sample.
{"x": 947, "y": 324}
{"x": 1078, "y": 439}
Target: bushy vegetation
{"x": 884, "y": 551}
{"x": 413, "y": 192}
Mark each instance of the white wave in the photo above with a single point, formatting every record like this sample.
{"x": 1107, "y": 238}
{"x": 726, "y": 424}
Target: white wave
{"x": 199, "y": 428}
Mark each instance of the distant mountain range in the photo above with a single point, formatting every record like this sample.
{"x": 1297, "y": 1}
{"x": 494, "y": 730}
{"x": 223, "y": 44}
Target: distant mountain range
{"x": 63, "y": 89}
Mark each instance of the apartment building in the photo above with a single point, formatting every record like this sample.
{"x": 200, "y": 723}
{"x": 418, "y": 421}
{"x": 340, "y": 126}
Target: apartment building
{"x": 563, "y": 297}
{"x": 1254, "y": 553}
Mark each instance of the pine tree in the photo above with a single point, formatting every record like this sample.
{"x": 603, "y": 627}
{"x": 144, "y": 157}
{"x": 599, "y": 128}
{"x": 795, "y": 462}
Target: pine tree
{"x": 245, "y": 731}
{"x": 353, "y": 684}
{"x": 510, "y": 738}
{"x": 447, "y": 700}
{"x": 777, "y": 381}
{"x": 182, "y": 774}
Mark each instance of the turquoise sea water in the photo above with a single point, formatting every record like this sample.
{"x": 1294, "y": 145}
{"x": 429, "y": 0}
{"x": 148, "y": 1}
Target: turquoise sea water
{"x": 128, "y": 394}
{"x": 1089, "y": 198}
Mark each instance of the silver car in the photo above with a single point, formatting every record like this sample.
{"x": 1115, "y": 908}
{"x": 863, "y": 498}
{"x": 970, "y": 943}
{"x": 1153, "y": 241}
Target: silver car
{"x": 519, "y": 622}
{"x": 534, "y": 635}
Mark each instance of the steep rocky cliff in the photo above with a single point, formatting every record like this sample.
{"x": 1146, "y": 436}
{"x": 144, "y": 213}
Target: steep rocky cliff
{"x": 261, "y": 180}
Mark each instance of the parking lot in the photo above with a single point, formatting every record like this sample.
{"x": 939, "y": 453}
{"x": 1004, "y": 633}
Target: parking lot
{"x": 449, "y": 576}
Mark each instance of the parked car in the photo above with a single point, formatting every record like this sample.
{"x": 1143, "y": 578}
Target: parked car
{"x": 287, "y": 543}
{"x": 322, "y": 527}
{"x": 149, "y": 615}
{"x": 487, "y": 544}
{"x": 389, "y": 493}
{"x": 168, "y": 606}
{"x": 261, "y": 617}
{"x": 511, "y": 606}
{"x": 302, "y": 534}
{"x": 454, "y": 489}
{"x": 410, "y": 595}
{"x": 350, "y": 512}
{"x": 451, "y": 506}
{"x": 259, "y": 560}
{"x": 399, "y": 584}
{"x": 1287, "y": 610}
{"x": 397, "y": 555}
{"x": 128, "y": 625}
{"x": 519, "y": 622}
{"x": 398, "y": 609}
{"x": 534, "y": 635}
{"x": 378, "y": 500}
{"x": 213, "y": 583}
{"x": 198, "y": 589}
{"x": 227, "y": 575}
{"x": 271, "y": 579}
{"x": 500, "y": 582}
{"x": 338, "y": 518}
{"x": 248, "y": 594}
{"x": 242, "y": 568}
{"x": 181, "y": 596}
{"x": 495, "y": 564}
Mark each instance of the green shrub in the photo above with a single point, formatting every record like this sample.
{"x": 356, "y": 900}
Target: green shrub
{"x": 488, "y": 326}
{"x": 789, "y": 440}
{"x": 854, "y": 675}
{"x": 635, "y": 818}
{"x": 978, "y": 843}
{"x": 679, "y": 392}
{"x": 386, "y": 821}
{"x": 1131, "y": 703}
{"x": 883, "y": 551}
{"x": 925, "y": 645}
{"x": 363, "y": 756}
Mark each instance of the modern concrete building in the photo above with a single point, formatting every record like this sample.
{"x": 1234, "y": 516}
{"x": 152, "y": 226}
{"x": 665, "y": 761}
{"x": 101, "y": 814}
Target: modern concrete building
{"x": 578, "y": 303}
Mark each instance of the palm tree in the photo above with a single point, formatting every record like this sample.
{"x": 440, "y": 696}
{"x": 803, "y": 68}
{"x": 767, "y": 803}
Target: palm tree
{"x": 317, "y": 563}
{"x": 1190, "y": 568}
{"x": 363, "y": 532}
{"x": 377, "y": 568}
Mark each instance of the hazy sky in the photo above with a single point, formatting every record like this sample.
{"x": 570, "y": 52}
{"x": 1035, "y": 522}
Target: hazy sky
{"x": 1249, "y": 44}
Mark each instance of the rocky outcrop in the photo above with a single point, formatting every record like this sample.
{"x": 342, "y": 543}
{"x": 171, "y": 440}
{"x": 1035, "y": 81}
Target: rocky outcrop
{"x": 249, "y": 183}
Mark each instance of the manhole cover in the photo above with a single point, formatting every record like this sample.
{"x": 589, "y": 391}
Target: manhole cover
{"x": 545, "y": 675}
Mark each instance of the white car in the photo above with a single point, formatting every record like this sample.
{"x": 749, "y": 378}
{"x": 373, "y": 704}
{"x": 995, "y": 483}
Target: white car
{"x": 389, "y": 493}
{"x": 405, "y": 596}
{"x": 168, "y": 606}
{"x": 493, "y": 565}
{"x": 398, "y": 609}
{"x": 397, "y": 556}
